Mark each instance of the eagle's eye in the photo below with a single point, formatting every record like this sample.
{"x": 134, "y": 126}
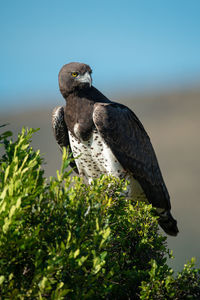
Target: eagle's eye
{"x": 74, "y": 74}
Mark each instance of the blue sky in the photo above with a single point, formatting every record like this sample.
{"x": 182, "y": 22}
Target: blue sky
{"x": 140, "y": 45}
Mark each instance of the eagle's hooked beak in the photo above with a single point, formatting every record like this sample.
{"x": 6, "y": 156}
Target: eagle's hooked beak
{"x": 85, "y": 78}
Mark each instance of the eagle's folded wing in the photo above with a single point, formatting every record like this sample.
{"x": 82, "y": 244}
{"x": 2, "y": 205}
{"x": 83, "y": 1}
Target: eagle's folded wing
{"x": 129, "y": 142}
{"x": 61, "y": 132}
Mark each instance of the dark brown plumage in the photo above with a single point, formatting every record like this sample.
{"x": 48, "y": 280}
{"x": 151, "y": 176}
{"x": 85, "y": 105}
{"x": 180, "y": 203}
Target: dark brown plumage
{"x": 89, "y": 115}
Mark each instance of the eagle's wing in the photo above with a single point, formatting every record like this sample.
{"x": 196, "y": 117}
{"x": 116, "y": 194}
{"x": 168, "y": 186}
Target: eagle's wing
{"x": 61, "y": 132}
{"x": 129, "y": 142}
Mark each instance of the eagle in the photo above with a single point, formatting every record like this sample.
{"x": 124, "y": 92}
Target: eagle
{"x": 106, "y": 137}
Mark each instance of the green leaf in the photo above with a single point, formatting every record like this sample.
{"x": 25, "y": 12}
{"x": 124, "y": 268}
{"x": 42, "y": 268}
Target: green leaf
{"x": 76, "y": 253}
{"x": 2, "y": 278}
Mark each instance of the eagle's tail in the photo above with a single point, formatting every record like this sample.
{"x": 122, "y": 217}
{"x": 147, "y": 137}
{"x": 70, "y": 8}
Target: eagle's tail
{"x": 168, "y": 223}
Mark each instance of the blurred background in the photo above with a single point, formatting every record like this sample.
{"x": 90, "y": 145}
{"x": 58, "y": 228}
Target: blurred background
{"x": 145, "y": 54}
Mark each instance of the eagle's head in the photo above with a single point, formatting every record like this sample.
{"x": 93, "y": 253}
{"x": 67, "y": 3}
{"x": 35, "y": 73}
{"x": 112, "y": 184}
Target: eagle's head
{"x": 74, "y": 77}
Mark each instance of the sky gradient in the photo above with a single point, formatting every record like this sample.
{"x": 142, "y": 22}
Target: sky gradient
{"x": 139, "y": 45}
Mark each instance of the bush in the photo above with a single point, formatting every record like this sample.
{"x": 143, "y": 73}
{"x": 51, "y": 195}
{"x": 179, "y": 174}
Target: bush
{"x": 63, "y": 239}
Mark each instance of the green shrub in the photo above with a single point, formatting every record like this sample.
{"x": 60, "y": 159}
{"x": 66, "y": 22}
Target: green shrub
{"x": 63, "y": 239}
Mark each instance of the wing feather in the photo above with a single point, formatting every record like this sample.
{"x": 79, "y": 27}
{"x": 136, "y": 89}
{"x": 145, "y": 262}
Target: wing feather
{"x": 129, "y": 142}
{"x": 61, "y": 132}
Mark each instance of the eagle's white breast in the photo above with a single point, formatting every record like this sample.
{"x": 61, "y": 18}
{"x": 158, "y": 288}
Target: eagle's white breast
{"x": 95, "y": 158}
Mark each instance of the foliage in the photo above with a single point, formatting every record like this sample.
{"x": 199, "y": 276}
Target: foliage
{"x": 63, "y": 239}
{"x": 162, "y": 284}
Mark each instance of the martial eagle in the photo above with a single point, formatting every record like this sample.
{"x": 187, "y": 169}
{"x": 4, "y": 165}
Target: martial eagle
{"x": 110, "y": 139}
